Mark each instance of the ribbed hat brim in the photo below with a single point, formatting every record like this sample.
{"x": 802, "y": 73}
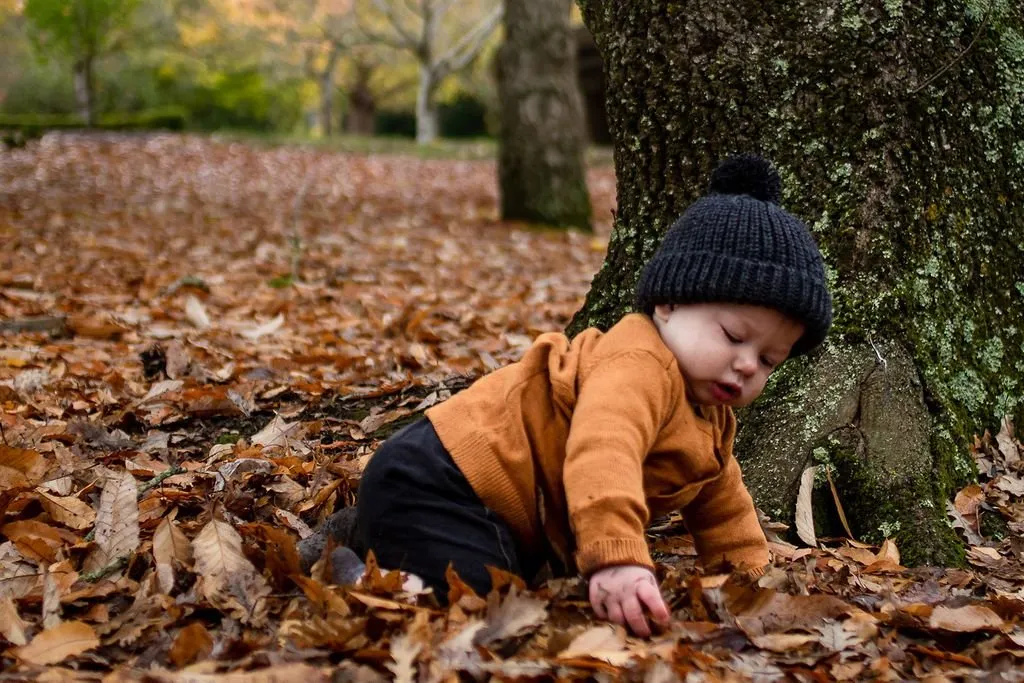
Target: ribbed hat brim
{"x": 702, "y": 276}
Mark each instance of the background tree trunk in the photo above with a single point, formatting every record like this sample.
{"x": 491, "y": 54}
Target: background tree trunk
{"x": 84, "y": 89}
{"x": 896, "y": 127}
{"x": 540, "y": 163}
{"x": 426, "y": 107}
{"x": 362, "y": 105}
{"x": 327, "y": 91}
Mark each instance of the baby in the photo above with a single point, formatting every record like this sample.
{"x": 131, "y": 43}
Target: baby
{"x": 562, "y": 458}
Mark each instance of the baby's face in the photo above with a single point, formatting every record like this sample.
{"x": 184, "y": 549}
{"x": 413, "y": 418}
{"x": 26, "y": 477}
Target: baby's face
{"x": 726, "y": 351}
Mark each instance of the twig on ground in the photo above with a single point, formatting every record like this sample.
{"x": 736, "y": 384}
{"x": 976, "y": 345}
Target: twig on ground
{"x": 96, "y": 575}
{"x": 158, "y": 479}
{"x": 155, "y": 481}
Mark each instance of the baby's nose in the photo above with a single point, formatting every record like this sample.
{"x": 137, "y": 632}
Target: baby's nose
{"x": 745, "y": 364}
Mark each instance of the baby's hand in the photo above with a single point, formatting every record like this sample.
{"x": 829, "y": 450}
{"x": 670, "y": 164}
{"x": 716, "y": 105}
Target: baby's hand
{"x": 619, "y": 594}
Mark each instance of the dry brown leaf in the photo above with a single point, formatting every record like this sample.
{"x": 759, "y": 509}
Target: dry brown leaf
{"x": 606, "y": 643}
{"x": 18, "y": 577}
{"x": 984, "y": 556}
{"x": 889, "y": 552}
{"x": 31, "y": 464}
{"x": 51, "y": 600}
{"x": 804, "y": 508}
{"x": 967, "y": 619}
{"x": 12, "y": 628}
{"x": 192, "y": 642}
{"x": 372, "y": 423}
{"x": 269, "y": 327}
{"x": 404, "y": 651}
{"x": 969, "y": 527}
{"x": 117, "y": 521}
{"x": 34, "y": 540}
{"x": 196, "y": 314}
{"x": 170, "y": 546}
{"x": 836, "y": 637}
{"x": 230, "y": 582}
{"x": 69, "y": 511}
{"x": 783, "y": 642}
{"x": 54, "y": 645}
{"x": 1010, "y": 484}
{"x": 1006, "y": 442}
{"x": 516, "y": 615}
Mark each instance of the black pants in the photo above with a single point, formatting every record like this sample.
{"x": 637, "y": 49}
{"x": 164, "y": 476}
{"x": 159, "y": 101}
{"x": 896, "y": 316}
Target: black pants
{"x": 417, "y": 512}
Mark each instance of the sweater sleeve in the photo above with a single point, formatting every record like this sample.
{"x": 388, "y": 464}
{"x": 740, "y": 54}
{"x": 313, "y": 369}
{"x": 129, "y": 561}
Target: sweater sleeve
{"x": 724, "y": 522}
{"x": 619, "y": 410}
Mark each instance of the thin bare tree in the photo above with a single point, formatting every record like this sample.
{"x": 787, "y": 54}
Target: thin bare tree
{"x": 444, "y": 36}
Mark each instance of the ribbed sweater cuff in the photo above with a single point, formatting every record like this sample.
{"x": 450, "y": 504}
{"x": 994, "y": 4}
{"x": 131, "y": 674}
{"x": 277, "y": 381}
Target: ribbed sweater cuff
{"x": 611, "y": 552}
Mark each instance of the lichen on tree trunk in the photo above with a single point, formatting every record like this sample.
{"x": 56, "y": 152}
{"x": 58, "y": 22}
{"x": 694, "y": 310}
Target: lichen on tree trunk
{"x": 897, "y": 129}
{"x": 540, "y": 165}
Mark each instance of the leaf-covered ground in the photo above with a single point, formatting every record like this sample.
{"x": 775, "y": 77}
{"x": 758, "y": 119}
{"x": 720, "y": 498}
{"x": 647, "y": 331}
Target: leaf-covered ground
{"x": 201, "y": 343}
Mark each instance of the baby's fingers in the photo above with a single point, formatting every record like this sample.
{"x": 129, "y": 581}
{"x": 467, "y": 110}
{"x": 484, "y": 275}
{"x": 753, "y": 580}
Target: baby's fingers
{"x": 634, "y": 615}
{"x": 650, "y": 595}
{"x": 598, "y": 593}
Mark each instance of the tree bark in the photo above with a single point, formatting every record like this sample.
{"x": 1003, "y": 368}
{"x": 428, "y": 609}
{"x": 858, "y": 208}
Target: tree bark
{"x": 896, "y": 129}
{"x": 540, "y": 163}
{"x": 362, "y": 106}
{"x": 84, "y": 89}
{"x": 326, "y": 79}
{"x": 362, "y": 110}
{"x": 426, "y": 107}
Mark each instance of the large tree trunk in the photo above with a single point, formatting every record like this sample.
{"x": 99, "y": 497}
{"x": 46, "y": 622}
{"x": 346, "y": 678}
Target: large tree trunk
{"x": 84, "y": 89}
{"x": 540, "y": 164}
{"x": 897, "y": 129}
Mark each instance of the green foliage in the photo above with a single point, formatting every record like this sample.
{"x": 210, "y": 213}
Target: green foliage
{"x": 39, "y": 88}
{"x": 240, "y": 99}
{"x": 465, "y": 116}
{"x": 77, "y": 28}
{"x": 15, "y": 129}
{"x": 395, "y": 123}
{"x": 281, "y": 281}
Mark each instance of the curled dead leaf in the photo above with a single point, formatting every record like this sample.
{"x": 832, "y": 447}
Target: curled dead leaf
{"x": 606, "y": 643}
{"x": 804, "y": 508}
{"x": 517, "y": 614}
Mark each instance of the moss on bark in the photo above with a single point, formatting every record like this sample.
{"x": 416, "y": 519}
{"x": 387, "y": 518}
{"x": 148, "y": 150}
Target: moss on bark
{"x": 897, "y": 128}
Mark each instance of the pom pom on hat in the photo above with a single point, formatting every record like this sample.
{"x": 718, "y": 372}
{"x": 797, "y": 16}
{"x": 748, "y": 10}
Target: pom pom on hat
{"x": 747, "y": 174}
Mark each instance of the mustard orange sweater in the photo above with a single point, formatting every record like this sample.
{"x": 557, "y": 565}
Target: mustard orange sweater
{"x": 580, "y": 443}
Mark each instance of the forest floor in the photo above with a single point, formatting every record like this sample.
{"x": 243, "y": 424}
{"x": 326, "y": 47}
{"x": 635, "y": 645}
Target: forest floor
{"x": 201, "y": 343}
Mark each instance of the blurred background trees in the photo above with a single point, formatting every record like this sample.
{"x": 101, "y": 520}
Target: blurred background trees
{"x": 302, "y": 68}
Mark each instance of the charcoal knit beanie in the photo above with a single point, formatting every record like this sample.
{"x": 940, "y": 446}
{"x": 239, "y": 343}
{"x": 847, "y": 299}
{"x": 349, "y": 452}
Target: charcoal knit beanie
{"x": 737, "y": 245}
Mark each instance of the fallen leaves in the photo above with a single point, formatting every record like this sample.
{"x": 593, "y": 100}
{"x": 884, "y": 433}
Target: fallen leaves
{"x": 192, "y": 422}
{"x": 230, "y": 582}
